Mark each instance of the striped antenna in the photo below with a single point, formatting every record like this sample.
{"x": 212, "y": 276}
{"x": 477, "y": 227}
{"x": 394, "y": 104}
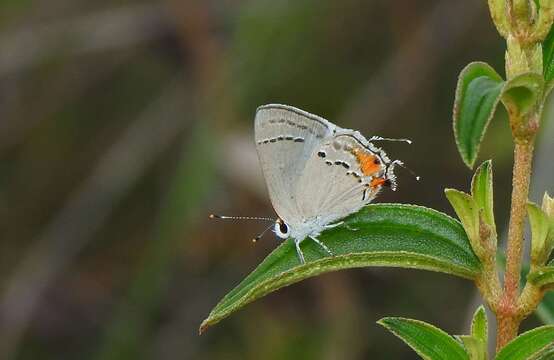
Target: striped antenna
{"x": 259, "y": 218}
{"x": 259, "y": 236}
{"x": 224, "y": 217}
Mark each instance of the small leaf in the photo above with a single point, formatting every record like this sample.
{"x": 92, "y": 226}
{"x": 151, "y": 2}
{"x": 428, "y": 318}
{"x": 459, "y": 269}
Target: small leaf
{"x": 542, "y": 276}
{"x": 482, "y": 192}
{"x": 548, "y": 209}
{"x": 543, "y": 20}
{"x": 528, "y": 344}
{"x": 548, "y": 205}
{"x": 385, "y": 235}
{"x": 430, "y": 342}
{"x": 479, "y": 325}
{"x": 548, "y": 58}
{"x": 545, "y": 310}
{"x": 521, "y": 94}
{"x": 478, "y": 92}
{"x": 476, "y": 343}
{"x": 540, "y": 226}
{"x": 468, "y": 212}
{"x": 475, "y": 348}
{"x": 499, "y": 16}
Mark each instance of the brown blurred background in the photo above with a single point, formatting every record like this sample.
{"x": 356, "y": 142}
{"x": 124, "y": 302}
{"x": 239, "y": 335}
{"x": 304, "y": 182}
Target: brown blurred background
{"x": 123, "y": 124}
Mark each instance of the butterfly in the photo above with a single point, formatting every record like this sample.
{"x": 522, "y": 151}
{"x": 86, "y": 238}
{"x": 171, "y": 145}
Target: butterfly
{"x": 316, "y": 172}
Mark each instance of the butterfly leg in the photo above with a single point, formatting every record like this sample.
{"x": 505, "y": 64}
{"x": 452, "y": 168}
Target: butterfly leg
{"x": 322, "y": 245}
{"x": 299, "y": 252}
{"x": 330, "y": 226}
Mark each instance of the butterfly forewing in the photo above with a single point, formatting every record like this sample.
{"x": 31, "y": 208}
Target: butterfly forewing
{"x": 286, "y": 138}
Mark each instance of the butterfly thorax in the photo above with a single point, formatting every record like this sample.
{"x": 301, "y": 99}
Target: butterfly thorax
{"x": 308, "y": 227}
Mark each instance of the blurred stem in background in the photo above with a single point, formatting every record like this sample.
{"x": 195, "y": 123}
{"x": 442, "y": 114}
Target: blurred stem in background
{"x": 128, "y": 333}
{"x": 86, "y": 210}
{"x": 126, "y": 336}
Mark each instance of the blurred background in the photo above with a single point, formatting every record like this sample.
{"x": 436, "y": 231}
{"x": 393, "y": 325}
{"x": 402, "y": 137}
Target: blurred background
{"x": 123, "y": 124}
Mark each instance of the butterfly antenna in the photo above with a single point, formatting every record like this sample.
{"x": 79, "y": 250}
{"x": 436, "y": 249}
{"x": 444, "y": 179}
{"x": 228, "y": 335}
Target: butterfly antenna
{"x": 260, "y": 235}
{"x": 378, "y": 138}
{"x": 401, "y": 164}
{"x": 224, "y": 217}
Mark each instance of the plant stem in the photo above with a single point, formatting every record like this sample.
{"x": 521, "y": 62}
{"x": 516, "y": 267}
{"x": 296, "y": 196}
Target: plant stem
{"x": 507, "y": 326}
{"x": 508, "y": 314}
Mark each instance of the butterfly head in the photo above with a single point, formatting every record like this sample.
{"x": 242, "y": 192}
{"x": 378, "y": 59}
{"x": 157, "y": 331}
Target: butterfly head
{"x": 281, "y": 229}
{"x": 390, "y": 178}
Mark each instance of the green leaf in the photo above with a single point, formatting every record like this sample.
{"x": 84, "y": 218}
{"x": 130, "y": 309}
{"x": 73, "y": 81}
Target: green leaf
{"x": 498, "y": 15}
{"x": 548, "y": 205}
{"x": 521, "y": 94}
{"x": 468, "y": 212}
{"x": 545, "y": 354}
{"x": 482, "y": 192}
{"x": 528, "y": 344}
{"x": 478, "y": 92}
{"x": 545, "y": 310}
{"x": 542, "y": 276}
{"x": 540, "y": 226}
{"x": 430, "y": 342}
{"x": 476, "y": 343}
{"x": 548, "y": 210}
{"x": 479, "y": 325}
{"x": 378, "y": 235}
{"x": 548, "y": 58}
{"x": 475, "y": 348}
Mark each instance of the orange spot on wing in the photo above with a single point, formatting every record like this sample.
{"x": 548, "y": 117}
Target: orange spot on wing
{"x": 377, "y": 182}
{"x": 369, "y": 163}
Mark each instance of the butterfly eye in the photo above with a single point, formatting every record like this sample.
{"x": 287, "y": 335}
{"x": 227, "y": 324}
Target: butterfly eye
{"x": 281, "y": 229}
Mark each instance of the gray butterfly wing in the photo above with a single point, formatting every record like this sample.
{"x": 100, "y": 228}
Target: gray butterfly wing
{"x": 285, "y": 139}
{"x": 340, "y": 177}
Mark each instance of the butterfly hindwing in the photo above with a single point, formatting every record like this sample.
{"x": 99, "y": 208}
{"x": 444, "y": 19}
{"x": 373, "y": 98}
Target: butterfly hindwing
{"x": 340, "y": 177}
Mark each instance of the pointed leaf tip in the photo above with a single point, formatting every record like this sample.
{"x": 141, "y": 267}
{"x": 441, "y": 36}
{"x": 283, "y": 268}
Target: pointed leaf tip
{"x": 475, "y": 344}
{"x": 467, "y": 211}
{"x": 479, "y": 324}
{"x": 548, "y": 205}
{"x": 540, "y": 227}
{"x": 482, "y": 192}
